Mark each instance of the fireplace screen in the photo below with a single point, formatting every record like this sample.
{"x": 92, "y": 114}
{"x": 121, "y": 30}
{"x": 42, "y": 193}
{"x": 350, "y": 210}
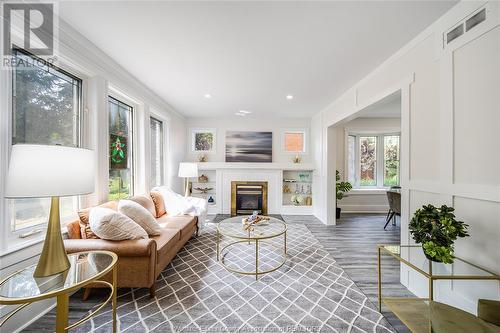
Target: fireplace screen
{"x": 247, "y": 197}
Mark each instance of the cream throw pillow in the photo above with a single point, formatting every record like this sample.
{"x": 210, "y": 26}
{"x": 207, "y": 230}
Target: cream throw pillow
{"x": 112, "y": 225}
{"x": 140, "y": 215}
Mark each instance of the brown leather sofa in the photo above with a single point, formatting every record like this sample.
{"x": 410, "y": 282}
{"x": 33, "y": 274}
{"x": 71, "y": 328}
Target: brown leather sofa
{"x": 140, "y": 261}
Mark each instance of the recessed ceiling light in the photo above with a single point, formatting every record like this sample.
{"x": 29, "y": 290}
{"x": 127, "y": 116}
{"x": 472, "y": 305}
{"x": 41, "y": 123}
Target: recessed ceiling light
{"x": 245, "y": 111}
{"x": 207, "y": 96}
{"x": 240, "y": 114}
{"x": 289, "y": 97}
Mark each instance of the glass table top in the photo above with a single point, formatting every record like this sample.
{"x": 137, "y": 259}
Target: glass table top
{"x": 233, "y": 227}
{"x": 84, "y": 266}
{"x": 415, "y": 256}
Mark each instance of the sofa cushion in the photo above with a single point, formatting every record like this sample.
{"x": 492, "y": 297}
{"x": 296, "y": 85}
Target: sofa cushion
{"x": 73, "y": 228}
{"x": 167, "y": 240}
{"x": 158, "y": 202}
{"x": 112, "y": 225}
{"x": 184, "y": 223}
{"x": 146, "y": 202}
{"x": 140, "y": 215}
{"x": 83, "y": 214}
{"x": 127, "y": 248}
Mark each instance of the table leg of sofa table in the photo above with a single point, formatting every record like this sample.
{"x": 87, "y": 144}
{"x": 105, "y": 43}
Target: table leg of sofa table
{"x": 115, "y": 292}
{"x": 217, "y": 244}
{"x": 62, "y": 309}
{"x": 256, "y": 259}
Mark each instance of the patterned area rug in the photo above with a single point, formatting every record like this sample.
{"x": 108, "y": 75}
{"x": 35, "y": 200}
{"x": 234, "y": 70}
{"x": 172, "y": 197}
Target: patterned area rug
{"x": 310, "y": 293}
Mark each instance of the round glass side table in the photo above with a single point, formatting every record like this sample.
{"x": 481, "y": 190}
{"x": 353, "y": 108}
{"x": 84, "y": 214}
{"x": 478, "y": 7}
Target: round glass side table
{"x": 86, "y": 268}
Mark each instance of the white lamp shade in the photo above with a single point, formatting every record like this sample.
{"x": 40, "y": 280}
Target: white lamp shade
{"x": 49, "y": 171}
{"x": 188, "y": 170}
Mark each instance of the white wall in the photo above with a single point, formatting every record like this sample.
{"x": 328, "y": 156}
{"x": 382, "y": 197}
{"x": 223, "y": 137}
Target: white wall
{"x": 100, "y": 75}
{"x": 248, "y": 123}
{"x": 363, "y": 200}
{"x": 450, "y": 101}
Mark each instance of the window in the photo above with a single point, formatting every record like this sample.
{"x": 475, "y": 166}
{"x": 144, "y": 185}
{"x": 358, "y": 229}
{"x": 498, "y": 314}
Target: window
{"x": 156, "y": 129}
{"x": 373, "y": 160}
{"x": 368, "y": 160}
{"x": 120, "y": 150}
{"x": 391, "y": 160}
{"x": 351, "y": 159}
{"x": 294, "y": 141}
{"x": 46, "y": 105}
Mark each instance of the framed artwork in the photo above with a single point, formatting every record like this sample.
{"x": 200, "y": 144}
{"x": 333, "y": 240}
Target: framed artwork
{"x": 294, "y": 141}
{"x": 203, "y": 140}
{"x": 249, "y": 146}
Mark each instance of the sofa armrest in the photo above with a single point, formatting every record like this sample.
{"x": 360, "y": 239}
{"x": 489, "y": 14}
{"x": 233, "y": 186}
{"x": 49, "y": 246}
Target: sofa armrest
{"x": 125, "y": 248}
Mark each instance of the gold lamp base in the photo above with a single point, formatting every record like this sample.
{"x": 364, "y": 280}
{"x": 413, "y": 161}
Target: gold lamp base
{"x": 186, "y": 185}
{"x": 53, "y": 259}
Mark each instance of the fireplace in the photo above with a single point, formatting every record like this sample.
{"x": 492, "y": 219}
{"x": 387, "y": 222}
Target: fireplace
{"x": 247, "y": 197}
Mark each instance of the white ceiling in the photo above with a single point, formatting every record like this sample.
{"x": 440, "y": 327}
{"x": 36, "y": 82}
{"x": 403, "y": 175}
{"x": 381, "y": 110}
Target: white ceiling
{"x": 250, "y": 55}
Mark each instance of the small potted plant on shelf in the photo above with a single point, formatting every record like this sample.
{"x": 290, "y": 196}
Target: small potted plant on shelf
{"x": 437, "y": 229}
{"x": 341, "y": 188}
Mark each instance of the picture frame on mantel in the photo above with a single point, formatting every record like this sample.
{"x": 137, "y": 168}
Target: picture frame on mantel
{"x": 204, "y": 140}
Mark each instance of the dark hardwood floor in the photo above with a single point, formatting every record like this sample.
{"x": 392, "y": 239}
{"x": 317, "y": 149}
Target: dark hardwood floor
{"x": 353, "y": 244}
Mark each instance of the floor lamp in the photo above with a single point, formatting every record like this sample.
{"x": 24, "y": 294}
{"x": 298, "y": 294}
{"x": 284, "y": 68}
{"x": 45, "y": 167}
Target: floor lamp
{"x": 37, "y": 171}
{"x": 186, "y": 171}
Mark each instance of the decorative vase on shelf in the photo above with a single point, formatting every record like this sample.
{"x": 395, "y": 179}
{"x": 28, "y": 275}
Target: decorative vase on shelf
{"x": 297, "y": 200}
{"x": 211, "y": 200}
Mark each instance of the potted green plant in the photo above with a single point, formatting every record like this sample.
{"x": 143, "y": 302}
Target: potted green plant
{"x": 437, "y": 229}
{"x": 341, "y": 188}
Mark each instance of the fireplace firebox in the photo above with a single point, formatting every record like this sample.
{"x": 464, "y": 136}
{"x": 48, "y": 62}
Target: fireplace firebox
{"x": 247, "y": 197}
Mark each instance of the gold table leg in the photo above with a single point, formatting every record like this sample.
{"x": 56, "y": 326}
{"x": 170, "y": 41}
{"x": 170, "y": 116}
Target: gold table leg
{"x": 62, "y": 313}
{"x": 379, "y": 272}
{"x": 114, "y": 304}
{"x": 285, "y": 241}
{"x": 218, "y": 236}
{"x": 256, "y": 259}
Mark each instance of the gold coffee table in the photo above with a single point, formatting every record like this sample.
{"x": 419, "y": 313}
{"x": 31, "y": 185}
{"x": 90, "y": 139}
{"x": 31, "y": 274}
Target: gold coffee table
{"x": 86, "y": 268}
{"x": 263, "y": 232}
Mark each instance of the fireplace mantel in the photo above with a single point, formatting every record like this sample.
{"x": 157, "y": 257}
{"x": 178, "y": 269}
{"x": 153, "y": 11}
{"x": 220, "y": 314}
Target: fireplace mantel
{"x": 253, "y": 166}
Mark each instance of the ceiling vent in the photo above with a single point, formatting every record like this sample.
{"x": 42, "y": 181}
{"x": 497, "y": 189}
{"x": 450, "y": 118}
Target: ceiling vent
{"x": 455, "y": 33}
{"x": 465, "y": 26}
{"x": 476, "y": 19}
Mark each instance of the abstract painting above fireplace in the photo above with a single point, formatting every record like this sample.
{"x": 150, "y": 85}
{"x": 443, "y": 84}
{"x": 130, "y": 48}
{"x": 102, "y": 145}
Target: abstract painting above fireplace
{"x": 247, "y": 197}
{"x": 249, "y": 146}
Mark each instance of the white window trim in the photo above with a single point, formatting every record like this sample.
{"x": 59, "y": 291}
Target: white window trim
{"x": 304, "y": 132}
{"x": 379, "y": 133}
{"x": 165, "y": 122}
{"x": 193, "y": 131}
